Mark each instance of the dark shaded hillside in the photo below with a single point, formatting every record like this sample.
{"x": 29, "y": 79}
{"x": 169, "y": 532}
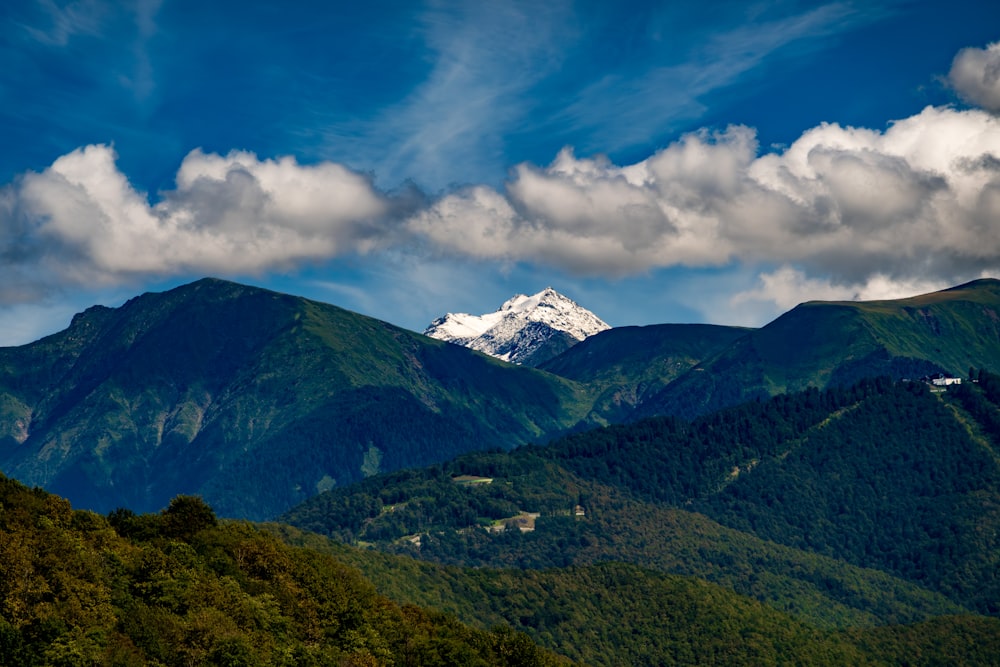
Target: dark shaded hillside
{"x": 626, "y": 365}
{"x": 904, "y": 482}
{"x": 177, "y": 588}
{"x": 823, "y": 344}
{"x": 252, "y": 398}
{"x": 882, "y": 476}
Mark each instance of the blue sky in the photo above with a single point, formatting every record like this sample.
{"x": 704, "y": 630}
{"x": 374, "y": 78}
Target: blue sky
{"x": 656, "y": 162}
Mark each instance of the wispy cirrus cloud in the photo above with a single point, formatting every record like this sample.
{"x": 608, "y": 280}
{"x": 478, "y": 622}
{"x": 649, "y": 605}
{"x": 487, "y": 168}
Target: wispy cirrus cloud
{"x": 81, "y": 17}
{"x": 624, "y": 108}
{"x": 56, "y": 25}
{"x": 499, "y": 71}
{"x": 142, "y": 79}
{"x": 484, "y": 60}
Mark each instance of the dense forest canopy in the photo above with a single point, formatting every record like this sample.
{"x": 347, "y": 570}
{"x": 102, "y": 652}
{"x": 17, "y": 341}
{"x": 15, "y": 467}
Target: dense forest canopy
{"x": 181, "y": 588}
{"x": 874, "y": 503}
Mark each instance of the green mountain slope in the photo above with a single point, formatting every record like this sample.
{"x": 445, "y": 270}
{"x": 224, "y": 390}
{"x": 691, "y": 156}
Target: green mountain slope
{"x": 626, "y": 365}
{"x": 829, "y": 499}
{"x": 451, "y": 522}
{"x": 177, "y": 588}
{"x": 615, "y": 614}
{"x": 252, "y": 398}
{"x": 882, "y": 475}
{"x": 822, "y": 344}
{"x": 258, "y": 400}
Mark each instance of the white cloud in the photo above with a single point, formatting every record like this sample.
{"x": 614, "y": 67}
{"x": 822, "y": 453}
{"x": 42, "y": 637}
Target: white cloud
{"x": 921, "y": 199}
{"x": 975, "y": 75}
{"x": 81, "y": 222}
{"x": 787, "y": 287}
{"x": 849, "y": 212}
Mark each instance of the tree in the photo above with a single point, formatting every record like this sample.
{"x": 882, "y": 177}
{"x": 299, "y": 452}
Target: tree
{"x": 185, "y": 516}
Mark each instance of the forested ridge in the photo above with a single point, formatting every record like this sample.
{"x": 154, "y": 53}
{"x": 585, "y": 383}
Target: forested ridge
{"x": 863, "y": 505}
{"x": 818, "y": 589}
{"x": 886, "y": 475}
{"x": 181, "y": 588}
{"x": 618, "y": 614}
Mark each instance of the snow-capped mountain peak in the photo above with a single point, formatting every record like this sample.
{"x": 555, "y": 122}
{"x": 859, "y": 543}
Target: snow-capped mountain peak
{"x": 525, "y": 329}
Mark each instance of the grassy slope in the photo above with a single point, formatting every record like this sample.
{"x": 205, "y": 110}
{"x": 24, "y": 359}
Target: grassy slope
{"x": 625, "y": 365}
{"x": 823, "y": 344}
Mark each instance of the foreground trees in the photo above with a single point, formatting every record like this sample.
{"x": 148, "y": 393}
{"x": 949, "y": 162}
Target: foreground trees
{"x": 178, "y": 588}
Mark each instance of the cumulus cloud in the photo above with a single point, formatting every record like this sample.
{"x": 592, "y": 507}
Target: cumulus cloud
{"x": 975, "y": 75}
{"x": 81, "y": 222}
{"x": 921, "y": 198}
{"x": 844, "y": 212}
{"x": 787, "y": 287}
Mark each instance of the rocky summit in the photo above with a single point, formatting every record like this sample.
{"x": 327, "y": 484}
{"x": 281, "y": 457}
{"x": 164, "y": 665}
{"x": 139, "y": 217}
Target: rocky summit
{"x": 526, "y": 330}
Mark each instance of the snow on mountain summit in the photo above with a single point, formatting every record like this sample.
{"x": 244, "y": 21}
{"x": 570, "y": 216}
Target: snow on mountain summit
{"x": 524, "y": 330}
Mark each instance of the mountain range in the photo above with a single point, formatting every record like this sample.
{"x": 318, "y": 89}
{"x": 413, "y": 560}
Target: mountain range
{"x": 258, "y": 400}
{"x": 669, "y": 494}
{"x": 254, "y": 399}
{"x": 525, "y": 330}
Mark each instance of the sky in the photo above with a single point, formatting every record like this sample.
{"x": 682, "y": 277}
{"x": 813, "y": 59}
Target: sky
{"x": 654, "y": 161}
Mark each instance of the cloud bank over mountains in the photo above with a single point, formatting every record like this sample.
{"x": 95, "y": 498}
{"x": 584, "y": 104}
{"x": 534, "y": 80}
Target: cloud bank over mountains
{"x": 843, "y": 212}
{"x": 850, "y": 203}
{"x": 81, "y": 222}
